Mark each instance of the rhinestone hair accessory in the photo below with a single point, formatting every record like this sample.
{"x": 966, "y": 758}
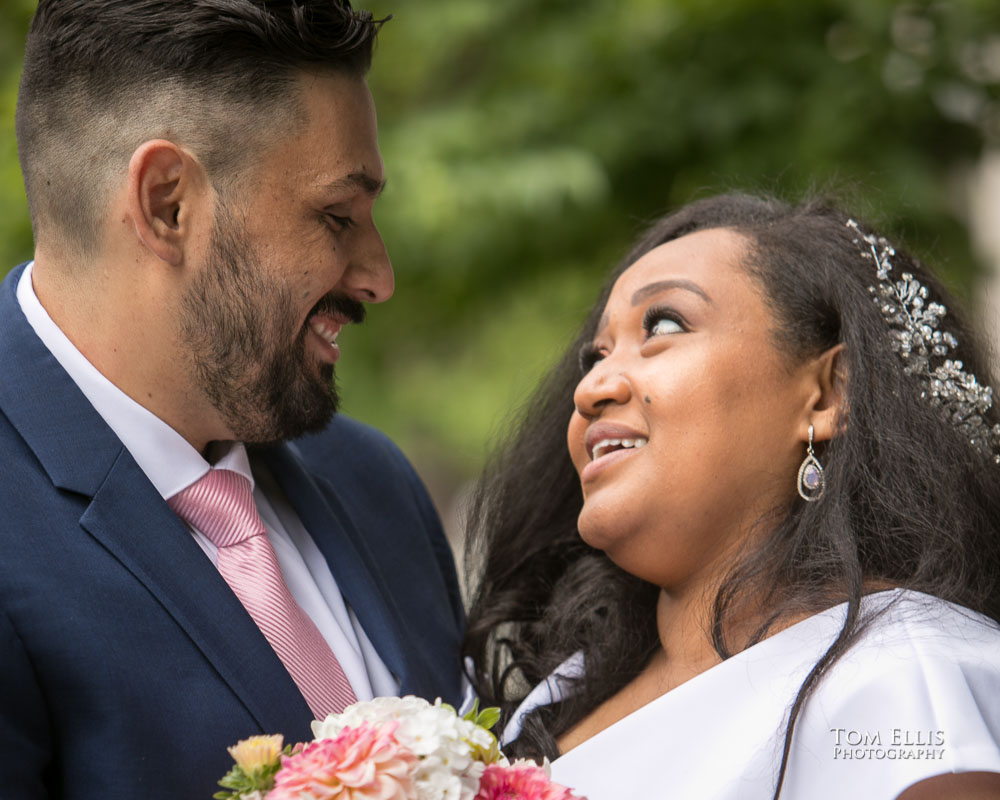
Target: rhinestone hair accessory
{"x": 915, "y": 325}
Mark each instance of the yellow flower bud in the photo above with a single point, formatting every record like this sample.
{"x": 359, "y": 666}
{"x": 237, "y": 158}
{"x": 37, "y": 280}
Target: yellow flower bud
{"x": 257, "y": 752}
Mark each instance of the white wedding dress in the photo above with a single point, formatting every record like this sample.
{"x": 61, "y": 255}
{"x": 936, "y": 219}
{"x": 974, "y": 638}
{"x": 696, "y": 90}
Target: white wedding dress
{"x": 918, "y": 695}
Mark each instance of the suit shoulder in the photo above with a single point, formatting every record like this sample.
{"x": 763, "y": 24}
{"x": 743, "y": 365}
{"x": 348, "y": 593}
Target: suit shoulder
{"x": 349, "y": 453}
{"x": 345, "y": 437}
{"x": 344, "y": 431}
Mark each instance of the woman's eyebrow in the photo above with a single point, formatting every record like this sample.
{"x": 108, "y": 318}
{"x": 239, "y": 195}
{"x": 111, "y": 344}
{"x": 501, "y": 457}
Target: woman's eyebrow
{"x": 671, "y": 283}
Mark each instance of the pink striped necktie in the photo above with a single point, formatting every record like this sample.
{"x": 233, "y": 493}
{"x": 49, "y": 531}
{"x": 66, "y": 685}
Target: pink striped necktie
{"x": 220, "y": 505}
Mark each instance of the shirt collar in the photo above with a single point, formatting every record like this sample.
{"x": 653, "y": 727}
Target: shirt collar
{"x": 166, "y": 457}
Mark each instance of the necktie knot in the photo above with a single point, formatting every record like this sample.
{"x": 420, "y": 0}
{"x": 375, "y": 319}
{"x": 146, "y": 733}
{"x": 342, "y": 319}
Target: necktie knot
{"x": 220, "y": 505}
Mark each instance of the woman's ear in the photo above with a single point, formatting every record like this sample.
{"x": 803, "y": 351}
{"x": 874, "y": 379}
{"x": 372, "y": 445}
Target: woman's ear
{"x": 164, "y": 184}
{"x": 827, "y": 412}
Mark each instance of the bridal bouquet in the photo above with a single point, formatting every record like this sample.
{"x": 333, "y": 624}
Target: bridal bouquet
{"x": 389, "y": 748}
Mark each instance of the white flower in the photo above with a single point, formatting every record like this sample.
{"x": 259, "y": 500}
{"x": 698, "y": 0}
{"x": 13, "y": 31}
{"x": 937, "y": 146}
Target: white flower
{"x": 439, "y": 785}
{"x": 545, "y": 766}
{"x": 381, "y": 709}
{"x": 442, "y": 741}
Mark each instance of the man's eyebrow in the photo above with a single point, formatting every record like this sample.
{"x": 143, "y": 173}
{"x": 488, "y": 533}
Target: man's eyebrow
{"x": 672, "y": 283}
{"x": 358, "y": 180}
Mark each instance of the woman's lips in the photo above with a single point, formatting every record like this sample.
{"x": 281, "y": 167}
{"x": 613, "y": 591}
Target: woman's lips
{"x": 594, "y": 468}
{"x": 608, "y": 444}
{"x": 603, "y": 432}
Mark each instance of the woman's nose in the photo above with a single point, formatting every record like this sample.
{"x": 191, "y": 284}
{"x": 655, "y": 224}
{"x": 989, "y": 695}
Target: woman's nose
{"x": 604, "y": 384}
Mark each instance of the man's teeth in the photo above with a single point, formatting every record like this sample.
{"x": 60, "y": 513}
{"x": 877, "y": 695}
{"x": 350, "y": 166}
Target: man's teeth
{"x": 607, "y": 445}
{"x": 321, "y": 329}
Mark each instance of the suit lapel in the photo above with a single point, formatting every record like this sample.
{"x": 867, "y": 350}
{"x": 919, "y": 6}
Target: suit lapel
{"x": 352, "y": 565}
{"x": 81, "y": 454}
{"x": 131, "y": 520}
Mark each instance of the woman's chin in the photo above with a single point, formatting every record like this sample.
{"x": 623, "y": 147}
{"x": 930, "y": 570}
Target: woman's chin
{"x": 600, "y": 532}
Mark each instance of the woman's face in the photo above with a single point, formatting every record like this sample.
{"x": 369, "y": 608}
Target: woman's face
{"x": 685, "y": 369}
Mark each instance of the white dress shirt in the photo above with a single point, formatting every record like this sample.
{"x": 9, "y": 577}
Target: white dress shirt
{"x": 172, "y": 464}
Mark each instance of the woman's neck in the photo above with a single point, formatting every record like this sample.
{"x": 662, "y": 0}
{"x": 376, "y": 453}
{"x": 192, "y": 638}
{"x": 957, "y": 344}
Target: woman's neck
{"x": 686, "y": 651}
{"x": 684, "y": 622}
{"x": 684, "y": 625}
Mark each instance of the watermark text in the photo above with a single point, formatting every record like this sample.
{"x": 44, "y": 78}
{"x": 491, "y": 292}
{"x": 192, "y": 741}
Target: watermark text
{"x": 893, "y": 744}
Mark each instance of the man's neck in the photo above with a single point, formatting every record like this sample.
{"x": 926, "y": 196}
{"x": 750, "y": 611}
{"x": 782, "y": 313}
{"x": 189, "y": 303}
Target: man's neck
{"x": 124, "y": 327}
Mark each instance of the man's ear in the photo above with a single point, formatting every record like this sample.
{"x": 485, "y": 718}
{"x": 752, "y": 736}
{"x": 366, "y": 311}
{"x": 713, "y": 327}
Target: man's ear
{"x": 827, "y": 411}
{"x": 165, "y": 183}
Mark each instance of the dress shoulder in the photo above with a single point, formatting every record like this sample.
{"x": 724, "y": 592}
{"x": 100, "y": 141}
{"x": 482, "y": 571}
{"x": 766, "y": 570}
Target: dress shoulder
{"x": 916, "y": 696}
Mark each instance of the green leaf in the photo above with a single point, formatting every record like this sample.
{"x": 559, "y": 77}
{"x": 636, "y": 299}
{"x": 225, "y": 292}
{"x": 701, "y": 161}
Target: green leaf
{"x": 235, "y": 779}
{"x": 241, "y": 782}
{"x": 488, "y": 717}
{"x": 473, "y": 712}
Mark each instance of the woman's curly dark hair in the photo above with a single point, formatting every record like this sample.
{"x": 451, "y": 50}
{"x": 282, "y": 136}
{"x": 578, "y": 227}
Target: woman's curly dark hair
{"x": 908, "y": 502}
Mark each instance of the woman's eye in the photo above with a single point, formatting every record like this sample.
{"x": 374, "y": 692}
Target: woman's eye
{"x": 589, "y": 355}
{"x": 659, "y": 322}
{"x": 665, "y": 326}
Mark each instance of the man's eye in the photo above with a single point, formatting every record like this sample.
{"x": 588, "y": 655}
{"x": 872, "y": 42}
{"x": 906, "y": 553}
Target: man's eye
{"x": 339, "y": 223}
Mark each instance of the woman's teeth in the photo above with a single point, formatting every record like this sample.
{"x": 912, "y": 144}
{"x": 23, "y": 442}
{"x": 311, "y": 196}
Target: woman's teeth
{"x": 607, "y": 445}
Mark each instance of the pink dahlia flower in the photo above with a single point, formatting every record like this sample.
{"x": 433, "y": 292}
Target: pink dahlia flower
{"x": 362, "y": 763}
{"x": 522, "y": 780}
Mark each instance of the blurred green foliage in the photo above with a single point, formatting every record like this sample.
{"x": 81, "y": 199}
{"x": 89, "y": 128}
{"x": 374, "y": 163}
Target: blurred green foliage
{"x": 15, "y": 228}
{"x": 527, "y": 141}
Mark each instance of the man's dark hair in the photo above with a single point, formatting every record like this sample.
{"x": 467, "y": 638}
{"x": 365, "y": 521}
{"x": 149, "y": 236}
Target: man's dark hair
{"x": 217, "y": 76}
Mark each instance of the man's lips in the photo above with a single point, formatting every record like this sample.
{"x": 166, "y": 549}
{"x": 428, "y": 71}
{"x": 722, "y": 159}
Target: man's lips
{"x": 328, "y": 317}
{"x": 326, "y": 328}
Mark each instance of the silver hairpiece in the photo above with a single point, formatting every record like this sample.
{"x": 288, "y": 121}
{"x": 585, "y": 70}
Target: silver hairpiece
{"x": 914, "y": 325}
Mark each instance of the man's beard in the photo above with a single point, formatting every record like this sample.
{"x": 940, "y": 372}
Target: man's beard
{"x": 236, "y": 320}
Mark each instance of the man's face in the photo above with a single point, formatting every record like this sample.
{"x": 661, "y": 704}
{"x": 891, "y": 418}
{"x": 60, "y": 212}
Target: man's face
{"x": 288, "y": 267}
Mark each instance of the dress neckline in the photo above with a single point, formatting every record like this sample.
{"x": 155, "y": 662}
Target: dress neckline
{"x": 785, "y": 642}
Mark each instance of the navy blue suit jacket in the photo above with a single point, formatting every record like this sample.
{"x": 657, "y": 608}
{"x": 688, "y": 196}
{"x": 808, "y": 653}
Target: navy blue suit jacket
{"x": 127, "y": 665}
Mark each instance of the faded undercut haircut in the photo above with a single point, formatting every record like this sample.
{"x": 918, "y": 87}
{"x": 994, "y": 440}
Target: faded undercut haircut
{"x": 215, "y": 76}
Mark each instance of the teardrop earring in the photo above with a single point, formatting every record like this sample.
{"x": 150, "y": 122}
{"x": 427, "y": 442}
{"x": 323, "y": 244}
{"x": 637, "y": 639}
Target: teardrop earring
{"x": 811, "y": 482}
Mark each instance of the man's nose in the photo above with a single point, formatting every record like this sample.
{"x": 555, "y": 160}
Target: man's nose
{"x": 369, "y": 277}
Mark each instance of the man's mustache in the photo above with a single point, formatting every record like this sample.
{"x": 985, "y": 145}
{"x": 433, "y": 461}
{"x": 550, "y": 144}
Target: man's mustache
{"x": 336, "y": 304}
